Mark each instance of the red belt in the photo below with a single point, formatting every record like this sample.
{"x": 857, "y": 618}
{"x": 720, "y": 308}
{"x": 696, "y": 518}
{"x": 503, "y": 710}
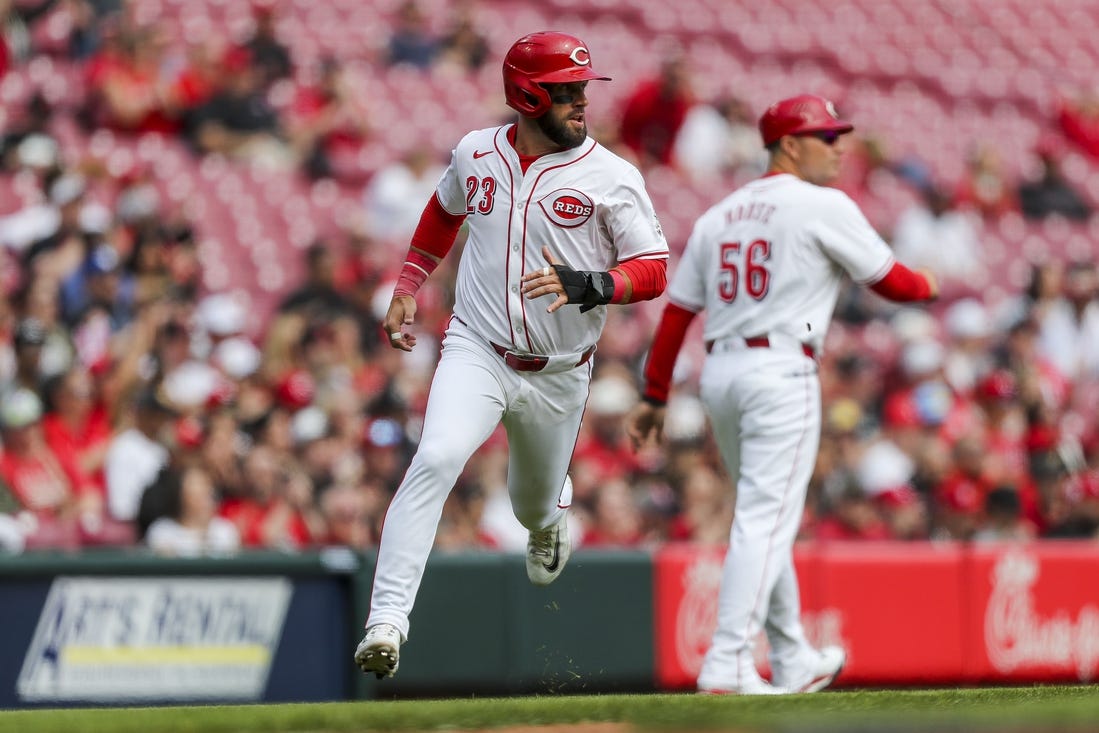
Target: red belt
{"x": 532, "y": 362}
{"x": 762, "y": 342}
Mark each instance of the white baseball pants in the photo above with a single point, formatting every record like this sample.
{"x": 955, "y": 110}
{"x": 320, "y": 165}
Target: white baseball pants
{"x": 473, "y": 392}
{"x": 764, "y": 408}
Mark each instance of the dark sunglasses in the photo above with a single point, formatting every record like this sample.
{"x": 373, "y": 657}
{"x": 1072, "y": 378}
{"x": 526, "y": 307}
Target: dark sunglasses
{"x": 828, "y": 137}
{"x": 565, "y": 96}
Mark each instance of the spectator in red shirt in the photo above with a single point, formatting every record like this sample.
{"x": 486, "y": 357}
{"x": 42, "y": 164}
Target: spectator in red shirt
{"x": 280, "y": 512}
{"x": 616, "y": 519}
{"x": 47, "y": 485}
{"x": 706, "y": 511}
{"x": 76, "y": 427}
{"x": 853, "y": 517}
{"x": 984, "y": 186}
{"x": 997, "y": 395}
{"x": 904, "y": 513}
{"x": 959, "y": 499}
{"x": 602, "y": 440}
{"x": 346, "y": 511}
{"x": 1079, "y": 121}
{"x": 329, "y": 124}
{"x": 132, "y": 95}
{"x": 655, "y": 111}
{"x": 198, "y": 79}
{"x": 1073, "y": 509}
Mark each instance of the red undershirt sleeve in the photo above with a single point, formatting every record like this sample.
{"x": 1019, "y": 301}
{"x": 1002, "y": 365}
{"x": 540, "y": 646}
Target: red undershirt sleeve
{"x": 432, "y": 240}
{"x": 437, "y": 229}
{"x": 665, "y": 350}
{"x": 903, "y": 285}
{"x": 636, "y": 280}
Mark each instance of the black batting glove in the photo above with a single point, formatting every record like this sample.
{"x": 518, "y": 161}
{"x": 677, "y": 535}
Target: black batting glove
{"x": 585, "y": 288}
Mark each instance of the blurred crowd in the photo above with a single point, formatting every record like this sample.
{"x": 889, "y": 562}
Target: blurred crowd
{"x": 137, "y": 407}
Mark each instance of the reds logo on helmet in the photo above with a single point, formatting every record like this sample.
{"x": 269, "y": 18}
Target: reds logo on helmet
{"x": 567, "y": 207}
{"x": 580, "y": 56}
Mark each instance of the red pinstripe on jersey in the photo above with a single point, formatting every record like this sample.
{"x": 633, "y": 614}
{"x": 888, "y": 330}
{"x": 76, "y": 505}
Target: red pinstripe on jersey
{"x": 526, "y": 213}
{"x": 511, "y": 217}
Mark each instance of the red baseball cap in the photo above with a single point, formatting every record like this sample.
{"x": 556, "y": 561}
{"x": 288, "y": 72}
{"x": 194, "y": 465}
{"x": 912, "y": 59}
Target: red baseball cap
{"x": 998, "y": 384}
{"x": 960, "y": 495}
{"x": 898, "y": 497}
{"x": 296, "y": 389}
{"x": 900, "y": 411}
{"x": 801, "y": 114}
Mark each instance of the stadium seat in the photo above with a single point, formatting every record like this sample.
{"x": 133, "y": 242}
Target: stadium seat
{"x": 968, "y": 70}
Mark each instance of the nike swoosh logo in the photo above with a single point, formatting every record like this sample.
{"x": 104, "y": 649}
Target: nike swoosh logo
{"x": 551, "y": 566}
{"x": 478, "y": 154}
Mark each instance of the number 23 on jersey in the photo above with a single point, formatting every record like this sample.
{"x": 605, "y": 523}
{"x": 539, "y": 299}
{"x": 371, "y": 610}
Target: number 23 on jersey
{"x": 487, "y": 186}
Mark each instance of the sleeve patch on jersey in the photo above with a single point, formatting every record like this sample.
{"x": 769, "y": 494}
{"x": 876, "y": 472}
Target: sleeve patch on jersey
{"x": 567, "y": 207}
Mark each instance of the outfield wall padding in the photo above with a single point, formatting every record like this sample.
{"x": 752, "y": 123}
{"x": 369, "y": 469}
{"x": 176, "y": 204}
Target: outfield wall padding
{"x": 123, "y": 628}
{"x": 479, "y": 626}
{"x": 109, "y": 628}
{"x": 909, "y": 614}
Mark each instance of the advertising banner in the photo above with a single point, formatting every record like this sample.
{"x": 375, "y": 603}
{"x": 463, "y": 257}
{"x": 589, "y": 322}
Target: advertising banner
{"x": 686, "y": 580}
{"x": 907, "y": 613}
{"x": 141, "y": 638}
{"x": 1035, "y": 612}
{"x": 901, "y": 608}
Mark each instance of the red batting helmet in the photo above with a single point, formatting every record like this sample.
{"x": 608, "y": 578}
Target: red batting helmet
{"x": 548, "y": 57}
{"x": 803, "y": 113}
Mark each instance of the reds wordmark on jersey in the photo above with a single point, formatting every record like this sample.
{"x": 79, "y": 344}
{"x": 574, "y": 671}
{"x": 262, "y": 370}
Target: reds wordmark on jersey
{"x": 588, "y": 205}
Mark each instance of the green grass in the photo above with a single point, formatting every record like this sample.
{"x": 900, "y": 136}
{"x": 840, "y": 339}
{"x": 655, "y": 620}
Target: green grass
{"x": 1045, "y": 708}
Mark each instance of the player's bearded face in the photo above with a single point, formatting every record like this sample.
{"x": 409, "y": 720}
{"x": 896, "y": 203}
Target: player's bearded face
{"x": 565, "y": 123}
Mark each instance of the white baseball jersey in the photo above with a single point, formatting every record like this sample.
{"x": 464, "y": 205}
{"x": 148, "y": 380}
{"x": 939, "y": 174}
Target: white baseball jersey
{"x": 770, "y": 258}
{"x": 590, "y": 208}
{"x": 588, "y": 205}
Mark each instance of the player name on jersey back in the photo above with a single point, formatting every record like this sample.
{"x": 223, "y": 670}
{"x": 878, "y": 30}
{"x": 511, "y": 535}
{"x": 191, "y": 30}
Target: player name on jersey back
{"x": 756, "y": 211}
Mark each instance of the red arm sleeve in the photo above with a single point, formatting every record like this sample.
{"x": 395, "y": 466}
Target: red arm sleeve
{"x": 433, "y": 238}
{"x": 665, "y": 349}
{"x": 902, "y": 285}
{"x": 437, "y": 229}
{"x": 639, "y": 280}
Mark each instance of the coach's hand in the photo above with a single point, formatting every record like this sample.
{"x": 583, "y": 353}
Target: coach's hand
{"x": 545, "y": 282}
{"x": 932, "y": 282}
{"x": 401, "y": 313}
{"x": 645, "y": 421}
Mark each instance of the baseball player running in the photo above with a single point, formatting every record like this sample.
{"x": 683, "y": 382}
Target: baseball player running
{"x": 559, "y": 227}
{"x": 766, "y": 264}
